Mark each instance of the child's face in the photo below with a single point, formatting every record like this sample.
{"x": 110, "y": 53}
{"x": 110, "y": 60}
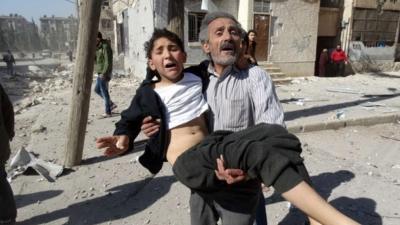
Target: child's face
{"x": 168, "y": 59}
{"x": 252, "y": 36}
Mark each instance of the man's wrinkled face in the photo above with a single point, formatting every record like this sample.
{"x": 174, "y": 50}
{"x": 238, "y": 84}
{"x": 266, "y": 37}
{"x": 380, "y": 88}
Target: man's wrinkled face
{"x": 223, "y": 43}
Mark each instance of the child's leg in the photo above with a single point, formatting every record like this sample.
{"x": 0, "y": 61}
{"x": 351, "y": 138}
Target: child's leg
{"x": 310, "y": 202}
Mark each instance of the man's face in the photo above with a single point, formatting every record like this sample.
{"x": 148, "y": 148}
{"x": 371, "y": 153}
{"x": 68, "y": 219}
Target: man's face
{"x": 223, "y": 41}
{"x": 338, "y": 47}
{"x": 98, "y": 41}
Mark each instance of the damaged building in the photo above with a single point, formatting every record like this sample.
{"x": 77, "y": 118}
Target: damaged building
{"x": 291, "y": 34}
{"x": 287, "y": 30}
{"x": 17, "y": 34}
{"x": 368, "y": 31}
{"x": 59, "y": 33}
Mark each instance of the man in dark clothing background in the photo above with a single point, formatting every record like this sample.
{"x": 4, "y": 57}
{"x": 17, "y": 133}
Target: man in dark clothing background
{"x": 8, "y": 58}
{"x": 8, "y": 211}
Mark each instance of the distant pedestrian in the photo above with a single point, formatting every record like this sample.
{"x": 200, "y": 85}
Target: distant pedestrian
{"x": 8, "y": 58}
{"x": 323, "y": 61}
{"x": 250, "y": 47}
{"x": 339, "y": 60}
{"x": 103, "y": 68}
{"x": 8, "y": 211}
{"x": 69, "y": 53}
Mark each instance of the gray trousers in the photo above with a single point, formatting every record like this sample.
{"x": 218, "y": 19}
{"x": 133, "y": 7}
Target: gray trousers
{"x": 267, "y": 153}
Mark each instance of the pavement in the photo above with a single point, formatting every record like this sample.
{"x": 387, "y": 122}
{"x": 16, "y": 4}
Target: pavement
{"x": 315, "y": 103}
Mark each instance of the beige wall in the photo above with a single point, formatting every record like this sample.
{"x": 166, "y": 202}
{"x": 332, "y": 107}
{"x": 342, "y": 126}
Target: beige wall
{"x": 328, "y": 22}
{"x": 294, "y": 36}
{"x": 245, "y": 14}
{"x": 371, "y": 4}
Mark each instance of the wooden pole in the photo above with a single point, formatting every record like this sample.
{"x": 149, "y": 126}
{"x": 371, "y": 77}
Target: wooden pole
{"x": 83, "y": 75}
{"x": 176, "y": 17}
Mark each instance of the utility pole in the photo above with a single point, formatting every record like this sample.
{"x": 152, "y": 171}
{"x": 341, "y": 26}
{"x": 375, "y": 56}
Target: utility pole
{"x": 176, "y": 10}
{"x": 83, "y": 75}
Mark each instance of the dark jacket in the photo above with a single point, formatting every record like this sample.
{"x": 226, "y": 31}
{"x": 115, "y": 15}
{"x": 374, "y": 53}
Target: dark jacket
{"x": 147, "y": 103}
{"x": 6, "y": 126}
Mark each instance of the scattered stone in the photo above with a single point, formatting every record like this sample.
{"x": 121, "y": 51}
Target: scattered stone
{"x": 397, "y": 166}
{"x": 38, "y": 129}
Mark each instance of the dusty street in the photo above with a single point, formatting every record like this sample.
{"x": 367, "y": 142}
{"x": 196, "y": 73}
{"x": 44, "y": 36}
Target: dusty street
{"x": 356, "y": 168}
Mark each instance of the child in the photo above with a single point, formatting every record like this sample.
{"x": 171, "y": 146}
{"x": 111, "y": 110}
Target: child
{"x": 265, "y": 152}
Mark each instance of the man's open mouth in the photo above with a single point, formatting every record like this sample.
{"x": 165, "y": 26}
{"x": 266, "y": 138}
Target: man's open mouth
{"x": 228, "y": 47}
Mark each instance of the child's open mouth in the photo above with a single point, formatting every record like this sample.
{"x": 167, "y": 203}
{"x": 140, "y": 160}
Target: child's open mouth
{"x": 170, "y": 65}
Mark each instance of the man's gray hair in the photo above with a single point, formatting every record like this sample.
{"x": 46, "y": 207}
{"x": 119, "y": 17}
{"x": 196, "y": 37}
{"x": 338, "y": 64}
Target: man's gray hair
{"x": 203, "y": 35}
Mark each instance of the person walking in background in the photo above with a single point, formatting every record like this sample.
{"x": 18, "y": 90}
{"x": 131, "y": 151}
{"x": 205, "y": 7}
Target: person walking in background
{"x": 339, "y": 60}
{"x": 8, "y": 58}
{"x": 69, "y": 53}
{"x": 103, "y": 68}
{"x": 8, "y": 210}
{"x": 323, "y": 61}
{"x": 250, "y": 47}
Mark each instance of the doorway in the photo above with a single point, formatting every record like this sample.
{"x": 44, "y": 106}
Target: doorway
{"x": 261, "y": 26}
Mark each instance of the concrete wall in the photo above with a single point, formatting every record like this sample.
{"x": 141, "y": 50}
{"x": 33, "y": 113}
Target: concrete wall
{"x": 357, "y": 52}
{"x": 294, "y": 36}
{"x": 367, "y": 59}
{"x": 141, "y": 25}
{"x": 371, "y": 4}
{"x": 245, "y": 14}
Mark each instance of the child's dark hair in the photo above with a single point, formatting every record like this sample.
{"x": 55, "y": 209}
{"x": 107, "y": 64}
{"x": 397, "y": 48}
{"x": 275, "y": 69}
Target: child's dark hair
{"x": 162, "y": 33}
{"x": 252, "y": 31}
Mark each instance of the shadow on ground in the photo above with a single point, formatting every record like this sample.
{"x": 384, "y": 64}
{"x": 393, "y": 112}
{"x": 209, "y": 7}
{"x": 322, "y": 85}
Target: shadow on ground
{"x": 328, "y": 108}
{"x": 33, "y": 198}
{"x": 120, "y": 203}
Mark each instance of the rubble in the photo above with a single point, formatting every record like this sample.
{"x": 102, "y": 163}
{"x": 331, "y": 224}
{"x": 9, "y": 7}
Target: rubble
{"x": 24, "y": 160}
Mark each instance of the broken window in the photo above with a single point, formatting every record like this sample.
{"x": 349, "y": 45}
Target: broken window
{"x": 262, "y": 6}
{"x": 331, "y": 3}
{"x": 194, "y": 19}
{"x": 375, "y": 29}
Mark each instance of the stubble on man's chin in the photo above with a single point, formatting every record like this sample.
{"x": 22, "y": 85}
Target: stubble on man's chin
{"x": 224, "y": 61}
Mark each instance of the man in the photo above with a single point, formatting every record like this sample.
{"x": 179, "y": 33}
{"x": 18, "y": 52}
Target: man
{"x": 8, "y": 211}
{"x": 8, "y": 58}
{"x": 103, "y": 68}
{"x": 339, "y": 60}
{"x": 69, "y": 54}
{"x": 238, "y": 99}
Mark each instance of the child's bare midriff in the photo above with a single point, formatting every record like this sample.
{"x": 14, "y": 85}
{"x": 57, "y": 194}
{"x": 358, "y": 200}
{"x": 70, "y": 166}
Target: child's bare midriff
{"x": 185, "y": 136}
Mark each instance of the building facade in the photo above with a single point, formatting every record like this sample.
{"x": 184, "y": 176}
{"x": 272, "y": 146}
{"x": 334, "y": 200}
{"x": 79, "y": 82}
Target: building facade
{"x": 17, "y": 34}
{"x": 372, "y": 35}
{"x": 58, "y": 33}
{"x": 287, "y": 30}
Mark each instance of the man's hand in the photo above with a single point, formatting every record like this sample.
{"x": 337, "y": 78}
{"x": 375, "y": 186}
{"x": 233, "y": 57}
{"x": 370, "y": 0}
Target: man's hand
{"x": 229, "y": 175}
{"x": 114, "y": 145}
{"x": 150, "y": 126}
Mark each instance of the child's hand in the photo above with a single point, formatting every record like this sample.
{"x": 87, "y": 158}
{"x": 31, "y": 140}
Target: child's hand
{"x": 229, "y": 175}
{"x": 114, "y": 145}
{"x": 150, "y": 126}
